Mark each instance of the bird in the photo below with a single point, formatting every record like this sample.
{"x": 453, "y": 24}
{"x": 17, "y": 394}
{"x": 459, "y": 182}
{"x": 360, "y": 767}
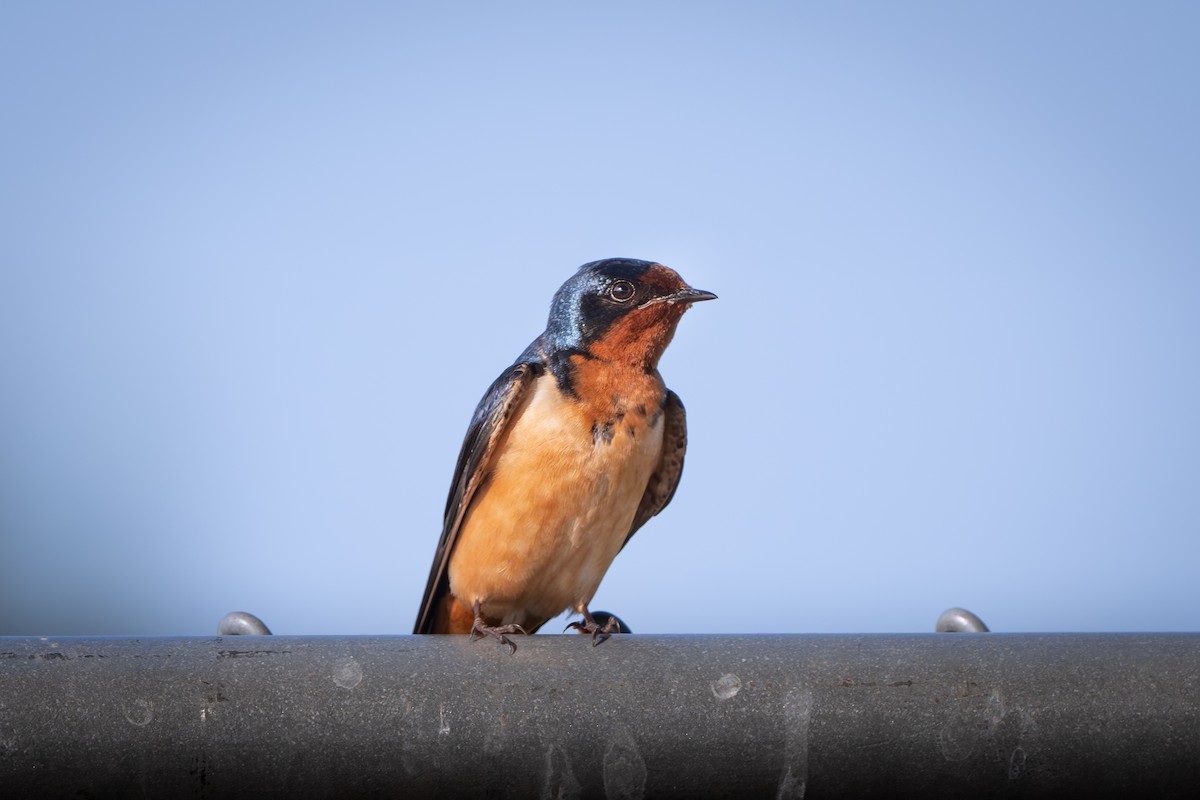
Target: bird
{"x": 571, "y": 450}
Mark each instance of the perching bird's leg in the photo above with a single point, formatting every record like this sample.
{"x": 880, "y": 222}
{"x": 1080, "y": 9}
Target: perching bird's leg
{"x": 589, "y": 625}
{"x": 480, "y": 629}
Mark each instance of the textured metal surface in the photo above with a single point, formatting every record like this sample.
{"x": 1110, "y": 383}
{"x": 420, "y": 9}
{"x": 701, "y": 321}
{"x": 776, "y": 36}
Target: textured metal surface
{"x": 972, "y": 715}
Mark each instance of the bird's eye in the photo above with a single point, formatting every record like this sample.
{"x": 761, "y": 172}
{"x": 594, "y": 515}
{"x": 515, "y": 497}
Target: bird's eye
{"x": 621, "y": 291}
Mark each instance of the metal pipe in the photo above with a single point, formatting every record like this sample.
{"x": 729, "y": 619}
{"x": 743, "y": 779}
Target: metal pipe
{"x": 929, "y": 715}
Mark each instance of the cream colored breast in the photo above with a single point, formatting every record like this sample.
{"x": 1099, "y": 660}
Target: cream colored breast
{"x": 542, "y": 532}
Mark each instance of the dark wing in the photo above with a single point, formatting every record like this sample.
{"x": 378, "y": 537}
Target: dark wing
{"x": 665, "y": 478}
{"x": 491, "y": 417}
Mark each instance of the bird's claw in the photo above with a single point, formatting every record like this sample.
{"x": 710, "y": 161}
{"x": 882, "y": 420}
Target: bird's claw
{"x": 481, "y": 630}
{"x": 589, "y": 625}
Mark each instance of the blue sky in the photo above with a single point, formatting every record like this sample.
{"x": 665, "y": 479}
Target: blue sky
{"x": 259, "y": 263}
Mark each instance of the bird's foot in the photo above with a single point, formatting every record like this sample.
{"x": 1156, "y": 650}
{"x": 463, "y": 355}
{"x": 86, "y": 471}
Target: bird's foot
{"x": 590, "y": 625}
{"x": 481, "y": 630}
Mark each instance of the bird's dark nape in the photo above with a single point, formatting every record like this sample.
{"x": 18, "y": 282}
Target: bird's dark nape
{"x": 573, "y": 317}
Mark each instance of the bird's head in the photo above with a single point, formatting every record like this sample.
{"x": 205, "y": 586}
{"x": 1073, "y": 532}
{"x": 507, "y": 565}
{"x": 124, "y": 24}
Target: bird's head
{"x": 620, "y": 309}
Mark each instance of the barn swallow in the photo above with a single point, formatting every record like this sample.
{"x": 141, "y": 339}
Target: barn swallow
{"x": 571, "y": 450}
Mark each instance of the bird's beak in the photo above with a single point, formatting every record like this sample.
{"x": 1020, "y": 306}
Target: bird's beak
{"x": 685, "y": 295}
{"x": 689, "y": 295}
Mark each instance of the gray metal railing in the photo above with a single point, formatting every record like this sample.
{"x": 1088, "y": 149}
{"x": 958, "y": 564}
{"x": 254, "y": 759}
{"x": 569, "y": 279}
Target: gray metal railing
{"x": 925, "y": 715}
